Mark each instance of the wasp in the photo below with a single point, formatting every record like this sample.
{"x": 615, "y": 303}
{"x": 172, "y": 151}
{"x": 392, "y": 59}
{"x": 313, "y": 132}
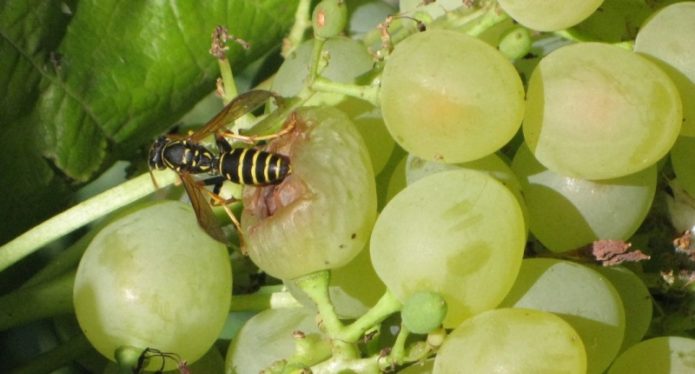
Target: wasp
{"x": 248, "y": 166}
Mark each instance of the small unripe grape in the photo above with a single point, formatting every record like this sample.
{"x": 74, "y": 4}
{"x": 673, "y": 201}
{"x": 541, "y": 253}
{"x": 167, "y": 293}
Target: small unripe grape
{"x": 423, "y": 312}
{"x": 329, "y": 18}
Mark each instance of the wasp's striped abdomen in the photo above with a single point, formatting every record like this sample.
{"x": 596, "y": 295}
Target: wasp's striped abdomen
{"x": 250, "y": 166}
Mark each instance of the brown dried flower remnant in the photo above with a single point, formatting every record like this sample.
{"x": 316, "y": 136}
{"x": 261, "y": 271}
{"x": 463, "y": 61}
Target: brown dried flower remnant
{"x": 219, "y": 47}
{"x": 615, "y": 252}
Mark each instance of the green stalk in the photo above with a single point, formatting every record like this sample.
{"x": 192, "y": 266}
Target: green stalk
{"x": 80, "y": 215}
{"x": 368, "y": 93}
{"x": 397, "y": 354}
{"x": 44, "y": 300}
{"x": 315, "y": 285}
{"x": 387, "y": 305}
{"x": 302, "y": 21}
{"x": 269, "y": 297}
{"x": 315, "y": 62}
{"x": 230, "y": 91}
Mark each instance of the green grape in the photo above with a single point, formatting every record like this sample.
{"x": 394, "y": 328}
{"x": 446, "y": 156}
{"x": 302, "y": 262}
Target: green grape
{"x": 347, "y": 60}
{"x": 371, "y": 126}
{"x": 423, "y": 312}
{"x": 321, "y": 215}
{"x": 581, "y": 296}
{"x": 354, "y": 288}
{"x": 515, "y": 43}
{"x": 668, "y": 38}
{"x": 566, "y": 213}
{"x": 549, "y": 15}
{"x": 459, "y": 233}
{"x": 451, "y": 104}
{"x": 154, "y": 279}
{"x": 616, "y": 21}
{"x": 417, "y": 168}
{"x": 681, "y": 207}
{"x": 366, "y": 15}
{"x": 683, "y": 159}
{"x": 267, "y": 337}
{"x": 329, "y": 18}
{"x": 662, "y": 355}
{"x": 394, "y": 181}
{"x": 512, "y": 341}
{"x": 596, "y": 111}
{"x": 636, "y": 299}
{"x": 434, "y": 9}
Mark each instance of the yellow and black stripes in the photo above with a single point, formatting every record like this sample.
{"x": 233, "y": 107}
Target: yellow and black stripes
{"x": 250, "y": 166}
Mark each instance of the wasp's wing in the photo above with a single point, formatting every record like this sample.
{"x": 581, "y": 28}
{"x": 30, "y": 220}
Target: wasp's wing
{"x": 203, "y": 211}
{"x": 241, "y": 105}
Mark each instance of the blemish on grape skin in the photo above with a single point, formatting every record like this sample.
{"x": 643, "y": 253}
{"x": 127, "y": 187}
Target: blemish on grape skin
{"x": 353, "y": 236}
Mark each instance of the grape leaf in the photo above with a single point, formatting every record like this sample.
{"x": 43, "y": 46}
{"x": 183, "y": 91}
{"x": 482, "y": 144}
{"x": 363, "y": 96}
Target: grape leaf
{"x": 83, "y": 83}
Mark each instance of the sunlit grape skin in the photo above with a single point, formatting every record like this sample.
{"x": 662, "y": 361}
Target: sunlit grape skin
{"x": 668, "y": 38}
{"x": 154, "y": 279}
{"x": 596, "y": 111}
{"x": 451, "y": 233}
{"x": 581, "y": 296}
{"x": 567, "y": 213}
{"x": 664, "y": 354}
{"x": 512, "y": 341}
{"x": 452, "y": 104}
{"x": 553, "y": 15}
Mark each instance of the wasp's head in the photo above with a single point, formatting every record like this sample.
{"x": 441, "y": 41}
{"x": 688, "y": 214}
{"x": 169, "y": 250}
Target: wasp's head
{"x": 154, "y": 159}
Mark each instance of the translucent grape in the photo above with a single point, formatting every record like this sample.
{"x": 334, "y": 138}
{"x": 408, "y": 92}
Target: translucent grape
{"x": 459, "y": 233}
{"x": 683, "y": 159}
{"x": 266, "y": 338}
{"x": 452, "y": 104}
{"x": 596, "y": 111}
{"x": 329, "y": 18}
{"x": 512, "y": 341}
{"x": 582, "y": 297}
{"x": 348, "y": 59}
{"x": 681, "y": 207}
{"x": 154, "y": 279}
{"x": 636, "y": 299}
{"x": 663, "y": 355}
{"x": 321, "y": 215}
{"x": 668, "y": 38}
{"x": 566, "y": 213}
{"x": 544, "y": 15}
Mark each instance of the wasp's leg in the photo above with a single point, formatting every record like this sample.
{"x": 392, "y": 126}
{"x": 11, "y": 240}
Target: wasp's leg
{"x": 222, "y": 144}
{"x": 216, "y": 199}
{"x": 215, "y": 182}
{"x": 253, "y": 139}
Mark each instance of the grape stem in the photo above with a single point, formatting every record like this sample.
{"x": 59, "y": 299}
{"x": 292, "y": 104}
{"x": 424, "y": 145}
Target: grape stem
{"x": 80, "y": 215}
{"x": 302, "y": 21}
{"x": 368, "y": 93}
{"x": 272, "y": 297}
{"x": 315, "y": 285}
{"x": 36, "y": 302}
{"x": 578, "y": 37}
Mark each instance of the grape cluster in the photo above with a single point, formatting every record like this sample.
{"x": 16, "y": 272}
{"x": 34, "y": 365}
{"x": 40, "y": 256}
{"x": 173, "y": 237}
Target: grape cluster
{"x": 428, "y": 163}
